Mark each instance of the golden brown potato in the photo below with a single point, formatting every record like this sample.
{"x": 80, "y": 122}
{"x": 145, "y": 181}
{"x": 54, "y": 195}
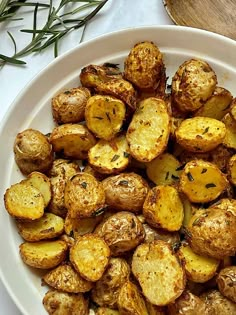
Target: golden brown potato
{"x": 198, "y": 268}
{"x": 84, "y": 196}
{"x": 217, "y": 304}
{"x": 158, "y": 272}
{"x": 90, "y": 256}
{"x": 230, "y": 137}
{"x": 62, "y": 303}
{"x": 144, "y": 65}
{"x": 106, "y": 289}
{"x": 164, "y": 169}
{"x": 233, "y": 109}
{"x": 72, "y": 140}
{"x": 32, "y": 151}
{"x": 122, "y": 232}
{"x": 130, "y": 300}
{"x": 217, "y": 105}
{"x": 189, "y": 210}
{"x": 106, "y": 311}
{"x": 155, "y": 310}
{"x": 226, "y": 280}
{"x": 220, "y": 157}
{"x": 88, "y": 169}
{"x": 47, "y": 227}
{"x": 212, "y": 232}
{"x": 202, "y": 181}
{"x": 163, "y": 208}
{"x": 149, "y": 129}
{"x": 110, "y": 157}
{"x": 187, "y": 304}
{"x": 126, "y": 191}
{"x": 65, "y": 278}
{"x": 24, "y": 201}
{"x": 152, "y": 234}
{"x": 231, "y": 168}
{"x": 193, "y": 83}
{"x": 200, "y": 134}
{"x": 69, "y": 105}
{"x": 43, "y": 254}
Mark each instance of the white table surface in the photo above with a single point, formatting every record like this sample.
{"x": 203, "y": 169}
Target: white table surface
{"x": 115, "y": 15}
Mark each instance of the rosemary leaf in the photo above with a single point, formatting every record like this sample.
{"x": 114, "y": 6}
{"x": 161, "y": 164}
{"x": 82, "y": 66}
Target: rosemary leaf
{"x": 12, "y": 60}
{"x": 13, "y": 40}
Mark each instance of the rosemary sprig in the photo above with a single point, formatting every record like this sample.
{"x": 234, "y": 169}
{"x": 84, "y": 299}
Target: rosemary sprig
{"x": 56, "y": 26}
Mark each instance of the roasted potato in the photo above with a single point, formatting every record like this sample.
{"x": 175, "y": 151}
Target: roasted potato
{"x": 126, "y": 191}
{"x": 230, "y": 137}
{"x": 144, "y": 66}
{"x": 193, "y": 84}
{"x": 122, "y": 232}
{"x": 164, "y": 169}
{"x": 84, "y": 196}
{"x": 65, "y": 278}
{"x": 226, "y": 280}
{"x": 43, "y": 254}
{"x": 110, "y": 157}
{"x": 106, "y": 311}
{"x": 130, "y": 300}
{"x": 62, "y": 303}
{"x": 202, "y": 181}
{"x": 47, "y": 227}
{"x": 106, "y": 289}
{"x": 231, "y": 168}
{"x": 198, "y": 268}
{"x": 233, "y": 109}
{"x": 155, "y": 310}
{"x": 163, "y": 208}
{"x": 200, "y": 134}
{"x": 69, "y": 105}
{"x": 24, "y": 201}
{"x": 158, "y": 272}
{"x": 32, "y": 152}
{"x": 72, "y": 140}
{"x": 149, "y": 129}
{"x": 152, "y": 234}
{"x": 217, "y": 304}
{"x": 90, "y": 256}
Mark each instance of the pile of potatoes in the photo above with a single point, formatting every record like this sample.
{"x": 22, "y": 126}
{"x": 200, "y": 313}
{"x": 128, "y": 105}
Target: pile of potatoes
{"x": 128, "y": 204}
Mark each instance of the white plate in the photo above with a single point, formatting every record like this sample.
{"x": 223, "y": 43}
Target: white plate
{"x": 32, "y": 109}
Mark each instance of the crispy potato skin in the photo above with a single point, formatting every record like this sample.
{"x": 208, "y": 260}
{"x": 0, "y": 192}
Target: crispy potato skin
{"x": 106, "y": 311}
{"x": 126, "y": 191}
{"x": 230, "y": 137}
{"x": 152, "y": 234}
{"x": 226, "y": 282}
{"x": 69, "y": 106}
{"x": 144, "y": 66}
{"x": 32, "y": 151}
{"x": 122, "y": 232}
{"x": 193, "y": 83}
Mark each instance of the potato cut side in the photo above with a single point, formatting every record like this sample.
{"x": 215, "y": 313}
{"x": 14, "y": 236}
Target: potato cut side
{"x": 24, "y": 201}
{"x": 202, "y": 181}
{"x": 130, "y": 300}
{"x": 164, "y": 169}
{"x": 149, "y": 130}
{"x": 200, "y": 134}
{"x": 104, "y": 115}
{"x": 84, "y": 196}
{"x": 159, "y": 272}
{"x": 198, "y": 268}
{"x": 163, "y": 208}
{"x": 43, "y": 254}
{"x": 65, "y": 278}
{"x": 47, "y": 227}
{"x": 90, "y": 256}
{"x": 72, "y": 140}
{"x": 230, "y": 137}
{"x": 43, "y": 184}
{"x": 110, "y": 157}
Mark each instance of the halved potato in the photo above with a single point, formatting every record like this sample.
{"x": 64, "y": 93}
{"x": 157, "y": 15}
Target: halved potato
{"x": 159, "y": 273}
{"x": 104, "y": 115}
{"x": 110, "y": 157}
{"x": 163, "y": 208}
{"x": 84, "y": 196}
{"x": 226, "y": 282}
{"x": 90, "y": 256}
{"x": 24, "y": 201}
{"x": 65, "y": 278}
{"x": 230, "y": 137}
{"x": 149, "y": 130}
{"x": 152, "y": 234}
{"x": 43, "y": 254}
{"x": 202, "y": 181}
{"x": 106, "y": 311}
{"x": 72, "y": 140}
{"x": 231, "y": 168}
{"x": 43, "y": 183}
{"x": 47, "y": 227}
{"x": 200, "y": 134}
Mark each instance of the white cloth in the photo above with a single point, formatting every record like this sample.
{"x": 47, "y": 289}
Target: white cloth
{"x": 115, "y": 15}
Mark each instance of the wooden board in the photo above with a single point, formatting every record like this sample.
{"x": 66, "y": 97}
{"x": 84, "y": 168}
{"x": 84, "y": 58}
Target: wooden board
{"x": 217, "y": 16}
